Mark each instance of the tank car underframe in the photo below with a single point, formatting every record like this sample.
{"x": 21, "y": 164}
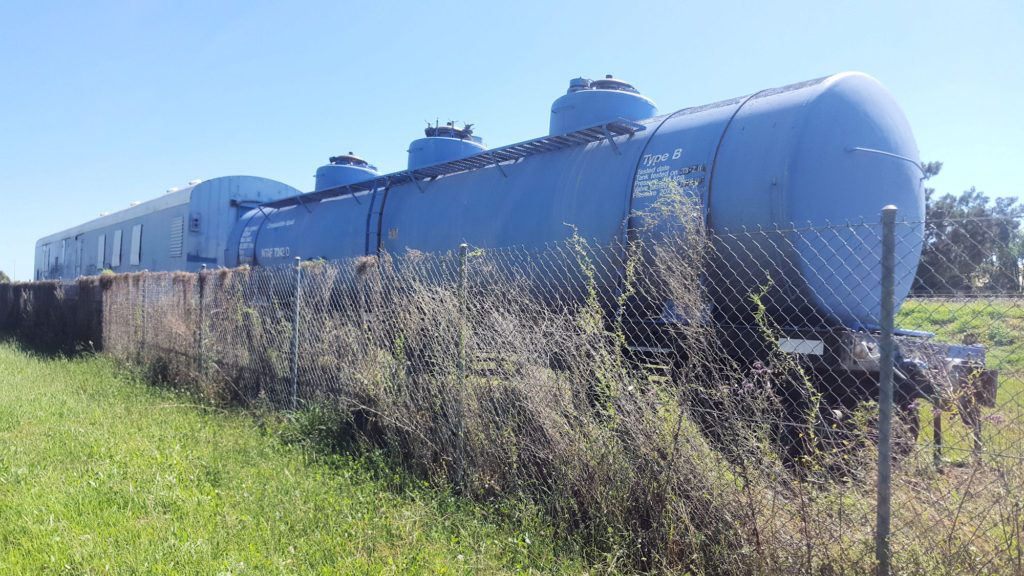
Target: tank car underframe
{"x": 842, "y": 365}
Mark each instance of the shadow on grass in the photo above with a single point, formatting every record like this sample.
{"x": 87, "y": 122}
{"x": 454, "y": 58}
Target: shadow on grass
{"x": 43, "y": 348}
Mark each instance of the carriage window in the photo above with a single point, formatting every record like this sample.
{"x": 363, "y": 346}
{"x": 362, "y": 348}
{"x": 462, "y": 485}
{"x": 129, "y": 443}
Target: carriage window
{"x": 177, "y": 236}
{"x": 101, "y": 249}
{"x": 115, "y": 252}
{"x": 135, "y": 256}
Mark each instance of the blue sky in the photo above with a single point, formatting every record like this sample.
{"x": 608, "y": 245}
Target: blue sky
{"x": 107, "y": 102}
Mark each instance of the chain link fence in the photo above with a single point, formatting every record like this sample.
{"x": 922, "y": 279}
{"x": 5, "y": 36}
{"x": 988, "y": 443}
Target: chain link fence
{"x": 691, "y": 401}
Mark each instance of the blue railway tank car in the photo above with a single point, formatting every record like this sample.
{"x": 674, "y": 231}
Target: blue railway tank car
{"x": 182, "y": 230}
{"x": 799, "y": 158}
{"x": 826, "y": 151}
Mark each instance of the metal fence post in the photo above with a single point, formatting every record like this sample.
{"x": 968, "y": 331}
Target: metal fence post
{"x": 937, "y": 429}
{"x": 142, "y": 317}
{"x": 885, "y": 385}
{"x": 295, "y": 332}
{"x": 201, "y": 285}
{"x": 460, "y": 375}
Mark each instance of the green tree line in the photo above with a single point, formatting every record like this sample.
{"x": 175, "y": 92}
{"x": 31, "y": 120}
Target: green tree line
{"x": 972, "y": 243}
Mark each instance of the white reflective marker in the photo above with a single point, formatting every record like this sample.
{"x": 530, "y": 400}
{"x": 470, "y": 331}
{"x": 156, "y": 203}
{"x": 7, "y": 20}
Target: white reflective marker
{"x": 801, "y": 346}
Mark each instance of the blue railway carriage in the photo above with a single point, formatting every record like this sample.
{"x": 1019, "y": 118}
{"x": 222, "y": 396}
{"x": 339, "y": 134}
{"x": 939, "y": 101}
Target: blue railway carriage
{"x": 180, "y": 230}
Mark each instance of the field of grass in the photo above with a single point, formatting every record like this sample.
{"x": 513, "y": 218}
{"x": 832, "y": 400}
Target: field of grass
{"x": 100, "y": 474}
{"x": 998, "y": 325}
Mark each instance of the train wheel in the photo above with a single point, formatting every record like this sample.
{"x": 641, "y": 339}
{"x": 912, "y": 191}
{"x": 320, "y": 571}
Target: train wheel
{"x": 906, "y": 426}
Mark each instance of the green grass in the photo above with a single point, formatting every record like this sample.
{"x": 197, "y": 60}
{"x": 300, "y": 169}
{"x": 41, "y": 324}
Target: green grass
{"x": 100, "y": 474}
{"x": 998, "y": 325}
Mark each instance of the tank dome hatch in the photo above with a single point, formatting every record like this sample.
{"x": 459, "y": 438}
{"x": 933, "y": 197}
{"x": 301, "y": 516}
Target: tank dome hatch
{"x": 589, "y": 103}
{"x": 349, "y": 159}
{"x": 450, "y": 130}
{"x": 444, "y": 143}
{"x": 611, "y": 83}
{"x": 343, "y": 170}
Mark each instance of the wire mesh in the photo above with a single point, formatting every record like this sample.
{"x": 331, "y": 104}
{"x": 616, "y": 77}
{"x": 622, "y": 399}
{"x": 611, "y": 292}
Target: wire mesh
{"x": 694, "y": 399}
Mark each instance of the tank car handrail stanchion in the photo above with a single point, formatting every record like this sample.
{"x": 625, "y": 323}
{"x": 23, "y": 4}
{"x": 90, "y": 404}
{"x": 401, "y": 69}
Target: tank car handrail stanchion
{"x": 885, "y": 389}
{"x": 460, "y": 374}
{"x": 295, "y": 333}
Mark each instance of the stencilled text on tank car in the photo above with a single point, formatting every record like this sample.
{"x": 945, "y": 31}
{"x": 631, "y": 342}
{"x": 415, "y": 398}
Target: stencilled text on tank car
{"x": 654, "y": 178}
{"x": 652, "y": 159}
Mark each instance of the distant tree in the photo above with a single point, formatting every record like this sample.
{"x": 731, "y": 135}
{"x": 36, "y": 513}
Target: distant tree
{"x": 971, "y": 243}
{"x": 4, "y": 278}
{"x": 930, "y": 169}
